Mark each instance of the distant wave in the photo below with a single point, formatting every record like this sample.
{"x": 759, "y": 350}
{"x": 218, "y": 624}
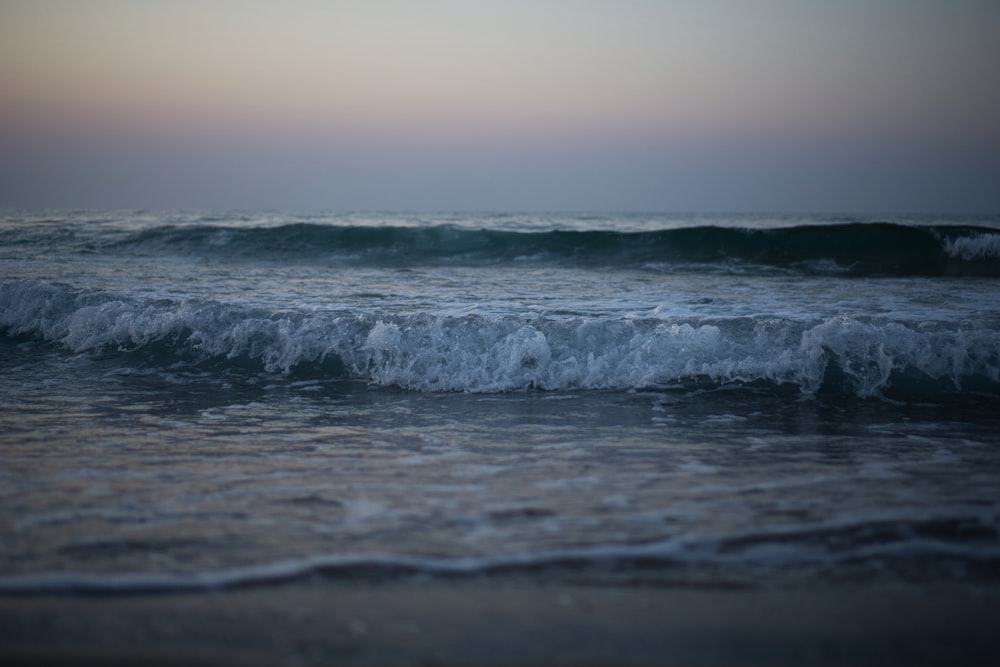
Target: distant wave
{"x": 863, "y": 356}
{"x": 853, "y": 248}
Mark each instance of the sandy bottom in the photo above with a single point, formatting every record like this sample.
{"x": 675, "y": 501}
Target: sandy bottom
{"x": 508, "y": 621}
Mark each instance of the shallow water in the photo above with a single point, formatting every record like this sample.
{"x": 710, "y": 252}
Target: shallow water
{"x": 188, "y": 413}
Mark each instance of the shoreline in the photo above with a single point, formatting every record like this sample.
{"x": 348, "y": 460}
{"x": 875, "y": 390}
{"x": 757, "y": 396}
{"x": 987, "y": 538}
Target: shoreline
{"x": 508, "y": 620}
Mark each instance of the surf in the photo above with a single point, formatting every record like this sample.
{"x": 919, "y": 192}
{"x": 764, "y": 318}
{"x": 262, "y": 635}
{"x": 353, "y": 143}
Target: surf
{"x": 836, "y": 248}
{"x": 482, "y": 353}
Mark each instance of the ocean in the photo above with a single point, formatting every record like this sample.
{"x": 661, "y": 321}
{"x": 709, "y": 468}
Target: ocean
{"x": 194, "y": 401}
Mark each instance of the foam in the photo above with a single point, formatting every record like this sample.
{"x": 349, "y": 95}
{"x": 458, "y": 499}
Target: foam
{"x": 494, "y": 353}
{"x": 978, "y": 247}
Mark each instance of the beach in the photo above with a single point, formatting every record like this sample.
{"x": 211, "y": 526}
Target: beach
{"x": 310, "y": 439}
{"x": 508, "y": 620}
{"x": 499, "y": 334}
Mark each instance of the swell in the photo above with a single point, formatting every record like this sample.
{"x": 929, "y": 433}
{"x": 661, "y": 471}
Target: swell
{"x": 860, "y": 356}
{"x": 852, "y": 248}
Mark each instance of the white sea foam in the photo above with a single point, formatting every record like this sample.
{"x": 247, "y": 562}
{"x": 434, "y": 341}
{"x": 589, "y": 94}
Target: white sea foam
{"x": 487, "y": 353}
{"x": 975, "y": 248}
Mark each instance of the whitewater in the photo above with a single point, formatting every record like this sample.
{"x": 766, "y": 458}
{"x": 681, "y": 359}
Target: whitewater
{"x": 194, "y": 400}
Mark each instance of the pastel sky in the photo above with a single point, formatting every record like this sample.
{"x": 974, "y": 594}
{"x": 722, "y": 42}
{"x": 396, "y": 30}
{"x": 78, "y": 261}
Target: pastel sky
{"x": 646, "y": 105}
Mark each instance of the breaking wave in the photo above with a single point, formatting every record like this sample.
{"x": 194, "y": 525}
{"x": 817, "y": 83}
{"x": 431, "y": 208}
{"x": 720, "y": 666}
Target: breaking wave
{"x": 852, "y": 248}
{"x": 863, "y": 356}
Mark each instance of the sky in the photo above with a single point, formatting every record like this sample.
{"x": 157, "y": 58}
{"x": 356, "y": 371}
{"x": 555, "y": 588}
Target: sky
{"x": 585, "y": 105}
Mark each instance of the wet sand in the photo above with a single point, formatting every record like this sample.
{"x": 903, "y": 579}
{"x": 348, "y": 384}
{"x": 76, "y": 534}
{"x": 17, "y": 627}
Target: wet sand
{"x": 508, "y": 620}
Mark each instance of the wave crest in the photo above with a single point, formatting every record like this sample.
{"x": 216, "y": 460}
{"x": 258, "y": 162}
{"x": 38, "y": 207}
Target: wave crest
{"x": 975, "y": 248}
{"x": 482, "y": 353}
{"x": 855, "y": 248}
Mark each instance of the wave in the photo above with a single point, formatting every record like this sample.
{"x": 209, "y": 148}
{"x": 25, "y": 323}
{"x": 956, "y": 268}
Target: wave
{"x": 852, "y": 248}
{"x": 861, "y": 356}
{"x": 948, "y": 546}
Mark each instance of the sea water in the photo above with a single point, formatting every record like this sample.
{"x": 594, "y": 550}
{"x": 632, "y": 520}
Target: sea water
{"x": 193, "y": 400}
